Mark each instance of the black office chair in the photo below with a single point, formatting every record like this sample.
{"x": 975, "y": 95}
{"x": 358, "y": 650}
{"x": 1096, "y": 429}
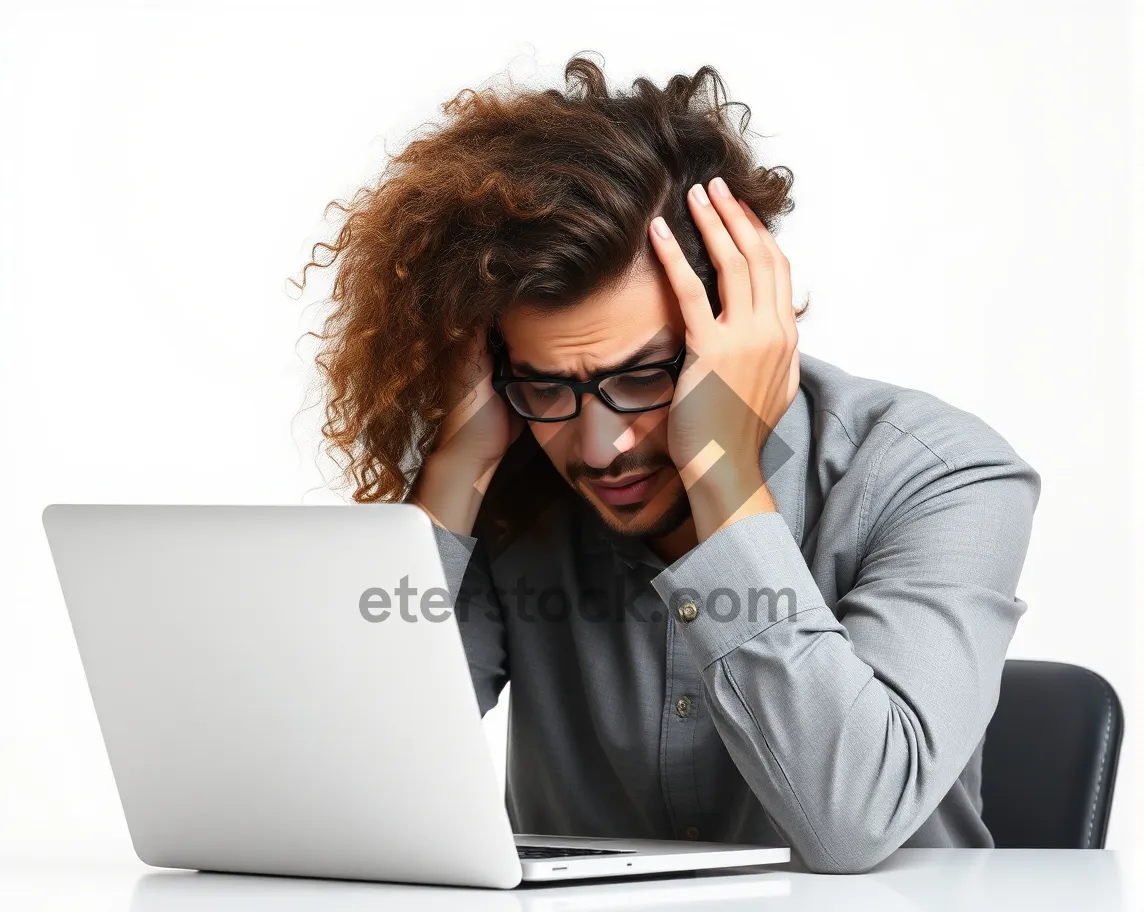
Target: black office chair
{"x": 1050, "y": 756}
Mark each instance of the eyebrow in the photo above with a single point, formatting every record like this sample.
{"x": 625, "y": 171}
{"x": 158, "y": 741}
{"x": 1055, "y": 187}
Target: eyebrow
{"x": 662, "y": 349}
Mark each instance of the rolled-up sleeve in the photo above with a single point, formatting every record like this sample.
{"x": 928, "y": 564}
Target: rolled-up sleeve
{"x": 851, "y": 722}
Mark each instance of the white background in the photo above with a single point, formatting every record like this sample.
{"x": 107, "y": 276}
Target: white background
{"x": 964, "y": 189}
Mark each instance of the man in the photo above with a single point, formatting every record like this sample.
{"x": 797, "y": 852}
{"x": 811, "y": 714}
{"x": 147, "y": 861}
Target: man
{"x": 765, "y": 600}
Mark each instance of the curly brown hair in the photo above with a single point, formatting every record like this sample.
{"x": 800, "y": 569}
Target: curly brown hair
{"x": 541, "y": 196}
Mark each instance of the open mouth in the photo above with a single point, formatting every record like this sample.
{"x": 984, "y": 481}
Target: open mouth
{"x": 628, "y": 490}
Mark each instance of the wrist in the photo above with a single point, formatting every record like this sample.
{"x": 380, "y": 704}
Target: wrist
{"x": 721, "y": 498}
{"x": 450, "y": 490}
{"x": 446, "y": 461}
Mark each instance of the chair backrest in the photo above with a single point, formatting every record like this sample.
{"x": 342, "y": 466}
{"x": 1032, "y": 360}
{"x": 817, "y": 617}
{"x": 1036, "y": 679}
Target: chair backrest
{"x": 1050, "y": 756}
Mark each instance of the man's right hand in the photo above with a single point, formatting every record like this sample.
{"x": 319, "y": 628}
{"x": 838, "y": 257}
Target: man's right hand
{"x": 474, "y": 438}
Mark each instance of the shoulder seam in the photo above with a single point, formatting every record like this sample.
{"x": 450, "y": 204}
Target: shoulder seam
{"x": 853, "y": 443}
{"x": 906, "y": 433}
{"x": 841, "y": 424}
{"x": 864, "y": 503}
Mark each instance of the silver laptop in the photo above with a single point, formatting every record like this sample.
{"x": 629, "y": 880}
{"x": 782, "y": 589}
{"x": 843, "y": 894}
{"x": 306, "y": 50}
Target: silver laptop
{"x": 283, "y": 690}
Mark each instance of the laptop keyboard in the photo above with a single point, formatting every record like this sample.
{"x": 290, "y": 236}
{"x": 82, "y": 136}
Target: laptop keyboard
{"x": 554, "y": 852}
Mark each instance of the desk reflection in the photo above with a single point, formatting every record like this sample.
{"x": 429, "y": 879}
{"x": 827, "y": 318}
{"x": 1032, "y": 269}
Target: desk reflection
{"x": 187, "y": 891}
{"x": 917, "y": 880}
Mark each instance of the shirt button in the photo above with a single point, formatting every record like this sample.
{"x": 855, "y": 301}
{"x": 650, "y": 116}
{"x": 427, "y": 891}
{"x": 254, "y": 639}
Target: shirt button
{"x": 692, "y": 832}
{"x": 683, "y": 706}
{"x": 687, "y": 612}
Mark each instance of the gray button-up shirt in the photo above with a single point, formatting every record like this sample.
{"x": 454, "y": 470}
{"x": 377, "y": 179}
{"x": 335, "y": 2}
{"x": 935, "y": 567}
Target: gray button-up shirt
{"x": 842, "y": 713}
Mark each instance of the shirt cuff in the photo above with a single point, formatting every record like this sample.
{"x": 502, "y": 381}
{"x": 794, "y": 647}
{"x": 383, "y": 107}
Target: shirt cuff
{"x": 455, "y": 550}
{"x": 745, "y": 578}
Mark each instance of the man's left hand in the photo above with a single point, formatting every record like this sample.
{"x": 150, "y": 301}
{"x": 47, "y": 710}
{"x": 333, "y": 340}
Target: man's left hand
{"x": 715, "y": 438}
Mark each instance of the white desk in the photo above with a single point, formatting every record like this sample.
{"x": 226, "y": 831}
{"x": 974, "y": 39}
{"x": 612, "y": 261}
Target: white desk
{"x": 927, "y": 880}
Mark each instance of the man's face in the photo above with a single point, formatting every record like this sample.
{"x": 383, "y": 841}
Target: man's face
{"x": 618, "y": 462}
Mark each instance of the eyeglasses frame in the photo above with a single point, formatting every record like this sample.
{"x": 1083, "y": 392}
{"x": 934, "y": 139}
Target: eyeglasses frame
{"x": 673, "y": 367}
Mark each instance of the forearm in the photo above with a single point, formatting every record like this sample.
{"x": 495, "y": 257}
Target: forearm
{"x": 723, "y": 496}
{"x": 846, "y": 766}
{"x": 848, "y": 762}
{"x": 478, "y": 614}
{"x": 450, "y": 491}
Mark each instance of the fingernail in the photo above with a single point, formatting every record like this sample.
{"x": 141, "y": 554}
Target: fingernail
{"x": 660, "y": 227}
{"x": 720, "y": 187}
{"x": 700, "y": 195}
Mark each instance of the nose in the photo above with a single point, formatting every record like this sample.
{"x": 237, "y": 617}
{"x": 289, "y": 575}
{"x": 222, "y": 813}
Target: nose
{"x": 604, "y": 433}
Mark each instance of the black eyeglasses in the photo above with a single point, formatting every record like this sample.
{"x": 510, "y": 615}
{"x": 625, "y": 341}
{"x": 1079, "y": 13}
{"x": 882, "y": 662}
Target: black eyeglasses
{"x": 629, "y": 389}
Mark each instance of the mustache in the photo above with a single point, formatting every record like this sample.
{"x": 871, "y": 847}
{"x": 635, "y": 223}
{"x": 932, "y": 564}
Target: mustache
{"x": 624, "y": 464}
